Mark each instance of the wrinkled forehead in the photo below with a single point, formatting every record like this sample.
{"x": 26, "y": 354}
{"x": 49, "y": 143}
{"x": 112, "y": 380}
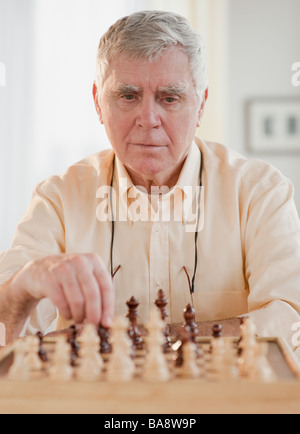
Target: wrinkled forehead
{"x": 171, "y": 70}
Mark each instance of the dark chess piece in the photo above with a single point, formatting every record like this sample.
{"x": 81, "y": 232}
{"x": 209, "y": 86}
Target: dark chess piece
{"x": 184, "y": 336}
{"x": 42, "y": 353}
{"x": 134, "y": 332}
{"x": 217, "y": 331}
{"x": 161, "y": 302}
{"x": 190, "y": 324}
{"x": 104, "y": 335}
{"x": 72, "y": 340}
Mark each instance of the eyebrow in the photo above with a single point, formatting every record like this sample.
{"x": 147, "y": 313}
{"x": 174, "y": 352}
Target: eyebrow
{"x": 173, "y": 89}
{"x": 128, "y": 88}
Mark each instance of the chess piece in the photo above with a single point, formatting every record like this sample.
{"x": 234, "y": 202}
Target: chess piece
{"x": 74, "y": 344}
{"x": 183, "y": 337}
{"x": 42, "y": 353}
{"x": 133, "y": 330}
{"x": 230, "y": 361}
{"x": 61, "y": 369}
{"x": 32, "y": 359}
{"x": 189, "y": 368}
{"x": 104, "y": 335}
{"x": 191, "y": 326}
{"x": 121, "y": 367}
{"x": 217, "y": 359}
{"x": 161, "y": 303}
{"x": 217, "y": 353}
{"x": 247, "y": 349}
{"x": 155, "y": 369}
{"x": 91, "y": 363}
{"x": 19, "y": 370}
{"x": 263, "y": 371}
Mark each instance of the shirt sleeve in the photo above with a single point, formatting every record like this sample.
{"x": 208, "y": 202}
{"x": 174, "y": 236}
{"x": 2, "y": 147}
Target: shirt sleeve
{"x": 272, "y": 255}
{"x": 40, "y": 233}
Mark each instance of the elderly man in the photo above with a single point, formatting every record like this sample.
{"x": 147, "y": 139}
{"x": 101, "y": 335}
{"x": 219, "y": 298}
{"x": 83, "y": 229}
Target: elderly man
{"x": 230, "y": 244}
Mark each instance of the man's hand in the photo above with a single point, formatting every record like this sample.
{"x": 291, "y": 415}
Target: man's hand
{"x": 78, "y": 285}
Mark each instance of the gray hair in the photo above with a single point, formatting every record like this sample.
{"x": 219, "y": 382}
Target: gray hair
{"x": 145, "y": 35}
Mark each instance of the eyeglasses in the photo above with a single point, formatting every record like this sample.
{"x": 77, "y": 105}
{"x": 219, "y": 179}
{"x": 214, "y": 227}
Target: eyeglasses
{"x": 191, "y": 282}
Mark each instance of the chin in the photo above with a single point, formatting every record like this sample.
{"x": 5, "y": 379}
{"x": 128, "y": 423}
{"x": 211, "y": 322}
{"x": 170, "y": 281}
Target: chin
{"x": 149, "y": 168}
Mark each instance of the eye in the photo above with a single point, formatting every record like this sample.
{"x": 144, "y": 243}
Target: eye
{"x": 128, "y": 97}
{"x": 170, "y": 99}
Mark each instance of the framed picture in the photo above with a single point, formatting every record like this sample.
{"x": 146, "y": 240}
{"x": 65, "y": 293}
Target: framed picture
{"x": 273, "y": 125}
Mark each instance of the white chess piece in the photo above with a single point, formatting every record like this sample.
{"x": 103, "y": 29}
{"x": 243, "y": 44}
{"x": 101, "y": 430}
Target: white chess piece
{"x": 121, "y": 367}
{"x": 91, "y": 363}
{"x": 263, "y": 370}
{"x": 230, "y": 361}
{"x": 155, "y": 368}
{"x": 19, "y": 371}
{"x": 189, "y": 369}
{"x": 32, "y": 360}
{"x": 217, "y": 359}
{"x": 247, "y": 361}
{"x": 61, "y": 369}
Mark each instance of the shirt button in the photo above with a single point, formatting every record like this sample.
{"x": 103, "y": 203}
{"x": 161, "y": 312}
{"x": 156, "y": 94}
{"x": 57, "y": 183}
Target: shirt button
{"x": 158, "y": 228}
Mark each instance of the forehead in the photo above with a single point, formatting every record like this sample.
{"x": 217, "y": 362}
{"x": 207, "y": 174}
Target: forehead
{"x": 172, "y": 68}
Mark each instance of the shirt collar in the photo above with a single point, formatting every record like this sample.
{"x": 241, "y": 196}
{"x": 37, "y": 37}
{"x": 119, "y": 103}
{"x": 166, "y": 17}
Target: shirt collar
{"x": 188, "y": 178}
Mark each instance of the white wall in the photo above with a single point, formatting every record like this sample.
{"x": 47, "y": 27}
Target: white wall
{"x": 47, "y": 116}
{"x": 48, "y": 48}
{"x": 264, "y": 42}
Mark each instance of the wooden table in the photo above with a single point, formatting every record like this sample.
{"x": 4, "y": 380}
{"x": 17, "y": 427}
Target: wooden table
{"x": 178, "y": 397}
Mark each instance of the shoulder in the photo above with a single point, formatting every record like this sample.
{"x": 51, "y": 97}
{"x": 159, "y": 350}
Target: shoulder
{"x": 93, "y": 170}
{"x": 224, "y": 161}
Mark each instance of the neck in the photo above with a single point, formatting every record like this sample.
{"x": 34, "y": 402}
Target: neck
{"x": 157, "y": 181}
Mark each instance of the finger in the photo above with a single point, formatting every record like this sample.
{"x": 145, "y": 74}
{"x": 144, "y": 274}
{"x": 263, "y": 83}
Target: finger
{"x": 107, "y": 293}
{"x": 59, "y": 300}
{"x": 66, "y": 276}
{"x": 48, "y": 286}
{"x": 92, "y": 295}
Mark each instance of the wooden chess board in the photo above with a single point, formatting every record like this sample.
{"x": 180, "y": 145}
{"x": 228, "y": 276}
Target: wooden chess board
{"x": 177, "y": 396}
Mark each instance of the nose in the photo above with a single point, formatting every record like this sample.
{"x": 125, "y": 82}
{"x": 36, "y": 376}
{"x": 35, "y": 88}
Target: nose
{"x": 149, "y": 115}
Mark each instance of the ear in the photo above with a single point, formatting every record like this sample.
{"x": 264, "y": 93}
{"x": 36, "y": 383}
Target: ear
{"x": 96, "y": 100}
{"x": 201, "y": 111}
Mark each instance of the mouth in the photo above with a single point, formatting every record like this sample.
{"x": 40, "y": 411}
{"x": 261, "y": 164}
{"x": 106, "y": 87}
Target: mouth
{"x": 149, "y": 146}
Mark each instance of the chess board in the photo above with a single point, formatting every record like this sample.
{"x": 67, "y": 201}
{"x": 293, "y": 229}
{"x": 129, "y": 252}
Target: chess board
{"x": 178, "y": 396}
{"x": 281, "y": 359}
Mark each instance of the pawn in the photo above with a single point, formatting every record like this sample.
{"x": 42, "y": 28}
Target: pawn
{"x": 61, "y": 370}
{"x": 156, "y": 369}
{"x": 121, "y": 367}
{"x": 230, "y": 361}
{"x": 133, "y": 329}
{"x": 189, "y": 368}
{"x": 191, "y": 326}
{"x": 263, "y": 371}
{"x": 19, "y": 370}
{"x": 91, "y": 363}
{"x": 104, "y": 335}
{"x": 217, "y": 359}
{"x": 42, "y": 353}
{"x": 161, "y": 303}
{"x": 184, "y": 336}
{"x": 74, "y": 344}
{"x": 32, "y": 359}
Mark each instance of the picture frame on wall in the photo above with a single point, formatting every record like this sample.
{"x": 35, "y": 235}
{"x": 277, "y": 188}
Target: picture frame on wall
{"x": 273, "y": 126}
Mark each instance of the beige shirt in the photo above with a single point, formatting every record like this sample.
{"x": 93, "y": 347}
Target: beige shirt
{"x": 248, "y": 244}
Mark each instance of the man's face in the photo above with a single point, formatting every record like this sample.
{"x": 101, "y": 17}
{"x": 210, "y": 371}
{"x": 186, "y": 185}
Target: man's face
{"x": 150, "y": 111}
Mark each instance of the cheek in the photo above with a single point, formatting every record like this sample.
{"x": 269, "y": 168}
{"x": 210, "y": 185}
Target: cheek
{"x": 117, "y": 126}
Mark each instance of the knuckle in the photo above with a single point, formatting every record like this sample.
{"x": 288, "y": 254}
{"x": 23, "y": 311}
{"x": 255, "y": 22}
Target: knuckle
{"x": 78, "y": 302}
